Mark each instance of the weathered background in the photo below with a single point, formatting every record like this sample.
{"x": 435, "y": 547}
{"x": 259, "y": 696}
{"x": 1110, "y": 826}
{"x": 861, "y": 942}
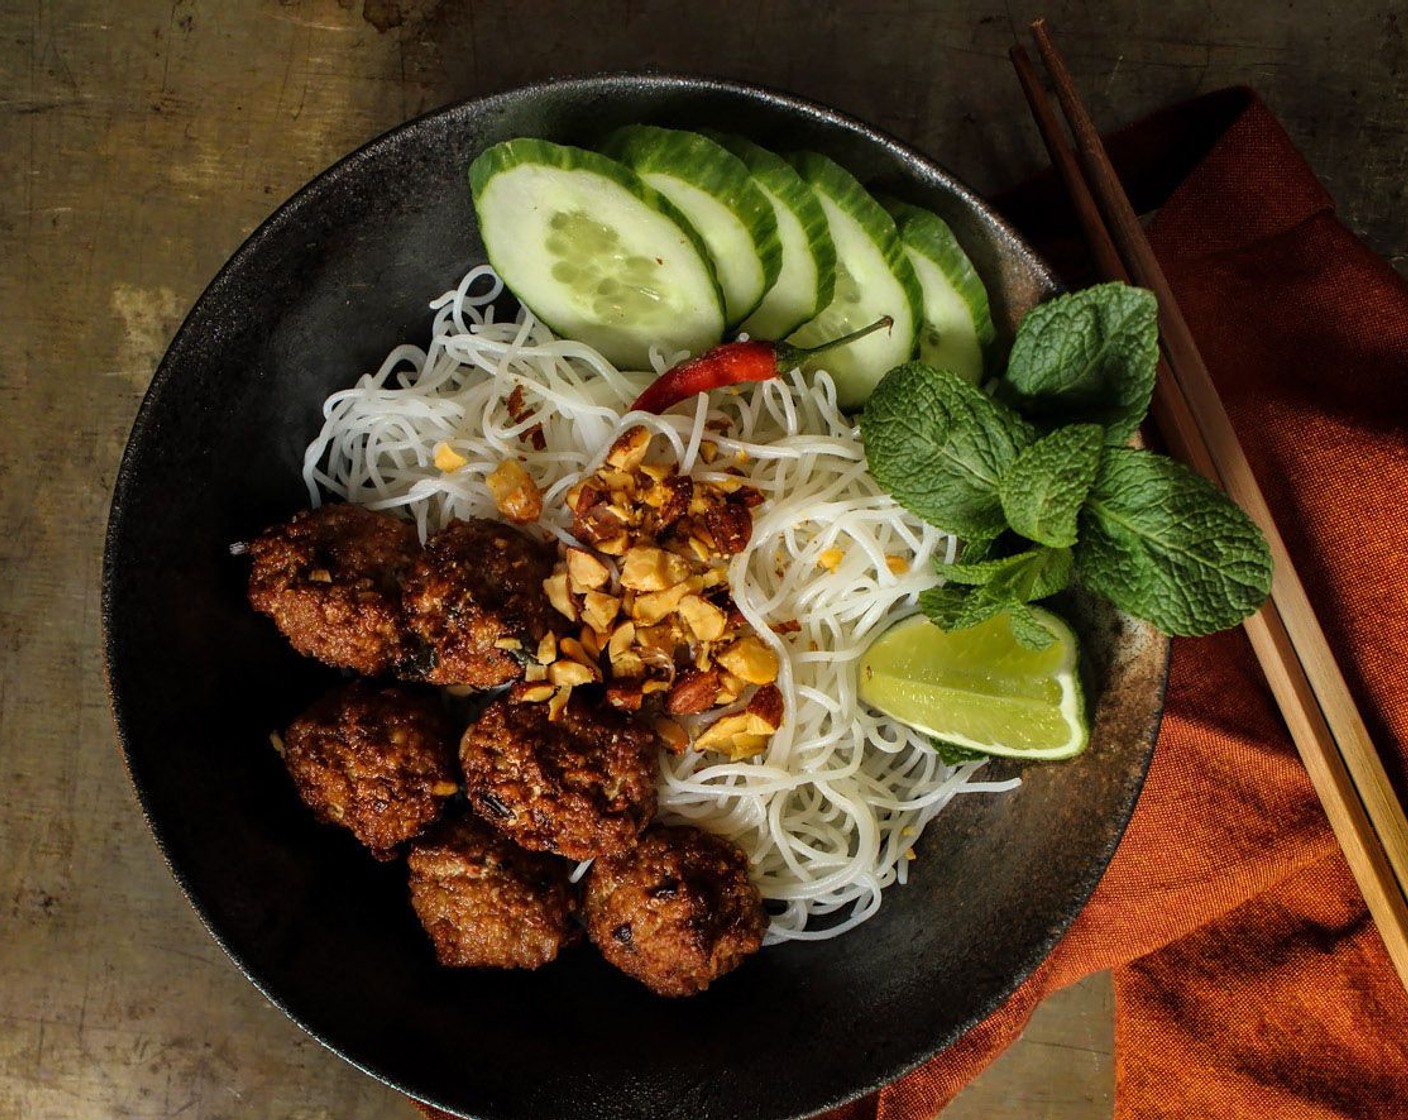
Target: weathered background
{"x": 142, "y": 141}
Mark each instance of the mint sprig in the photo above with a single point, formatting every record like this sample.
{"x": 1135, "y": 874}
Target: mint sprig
{"x": 1145, "y": 532}
{"x": 978, "y": 591}
{"x": 1089, "y": 356}
{"x": 1044, "y": 488}
{"x": 940, "y": 447}
{"x": 1165, "y": 544}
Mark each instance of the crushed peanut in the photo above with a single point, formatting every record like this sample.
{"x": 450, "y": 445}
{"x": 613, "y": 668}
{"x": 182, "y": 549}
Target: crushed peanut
{"x": 521, "y": 414}
{"x": 652, "y": 569}
{"x": 830, "y": 559}
{"x": 556, "y": 587}
{"x": 673, "y": 735}
{"x": 705, "y": 620}
{"x": 898, "y": 565}
{"x": 599, "y": 610}
{"x": 655, "y": 606}
{"x": 628, "y": 452}
{"x": 557, "y": 702}
{"x": 573, "y": 649}
{"x": 515, "y": 494}
{"x": 447, "y": 459}
{"x": 585, "y": 572}
{"x": 572, "y": 673}
{"x": 591, "y": 643}
{"x": 660, "y": 621}
{"x": 749, "y": 660}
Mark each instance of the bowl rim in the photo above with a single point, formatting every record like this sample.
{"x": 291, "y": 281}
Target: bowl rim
{"x": 288, "y": 211}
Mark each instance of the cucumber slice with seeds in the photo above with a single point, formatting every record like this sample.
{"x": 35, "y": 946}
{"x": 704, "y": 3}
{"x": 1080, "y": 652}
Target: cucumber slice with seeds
{"x": 715, "y": 192}
{"x": 873, "y": 278}
{"x": 808, "y": 277}
{"x": 594, "y": 252}
{"x": 957, "y": 328}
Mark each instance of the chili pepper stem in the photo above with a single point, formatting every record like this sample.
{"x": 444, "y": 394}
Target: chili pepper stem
{"x": 789, "y": 356}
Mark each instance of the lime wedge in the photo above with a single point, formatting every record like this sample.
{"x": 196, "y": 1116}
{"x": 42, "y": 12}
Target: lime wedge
{"x": 979, "y": 688}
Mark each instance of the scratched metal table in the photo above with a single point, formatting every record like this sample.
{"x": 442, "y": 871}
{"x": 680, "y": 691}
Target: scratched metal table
{"x": 142, "y": 141}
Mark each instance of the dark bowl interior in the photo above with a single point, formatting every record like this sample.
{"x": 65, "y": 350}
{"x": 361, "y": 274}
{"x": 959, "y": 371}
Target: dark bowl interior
{"x": 317, "y": 296}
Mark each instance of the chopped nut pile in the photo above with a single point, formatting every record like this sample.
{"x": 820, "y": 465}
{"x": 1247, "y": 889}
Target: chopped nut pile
{"x": 650, "y": 595}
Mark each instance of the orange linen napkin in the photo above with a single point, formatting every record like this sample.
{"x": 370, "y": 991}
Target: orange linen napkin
{"x": 1250, "y": 981}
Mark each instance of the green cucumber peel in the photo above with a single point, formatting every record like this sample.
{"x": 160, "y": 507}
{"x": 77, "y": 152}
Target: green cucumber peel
{"x": 522, "y": 188}
{"x": 957, "y": 332}
{"x": 874, "y": 277}
{"x": 698, "y": 174}
{"x": 804, "y": 287}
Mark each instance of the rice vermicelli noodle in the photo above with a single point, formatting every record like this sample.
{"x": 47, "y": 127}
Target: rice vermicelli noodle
{"x": 830, "y": 811}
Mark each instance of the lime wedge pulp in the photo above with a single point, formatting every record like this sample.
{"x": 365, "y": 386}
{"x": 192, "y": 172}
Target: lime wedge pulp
{"x": 979, "y": 688}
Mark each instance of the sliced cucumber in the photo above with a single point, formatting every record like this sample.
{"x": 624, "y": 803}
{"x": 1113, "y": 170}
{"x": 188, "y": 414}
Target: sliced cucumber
{"x": 808, "y": 277}
{"x": 715, "y": 192}
{"x": 957, "y": 325}
{"x": 873, "y": 278}
{"x": 594, "y": 252}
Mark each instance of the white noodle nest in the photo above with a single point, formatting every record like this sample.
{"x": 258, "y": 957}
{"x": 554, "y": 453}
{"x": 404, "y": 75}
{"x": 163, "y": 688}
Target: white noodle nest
{"x": 830, "y": 812}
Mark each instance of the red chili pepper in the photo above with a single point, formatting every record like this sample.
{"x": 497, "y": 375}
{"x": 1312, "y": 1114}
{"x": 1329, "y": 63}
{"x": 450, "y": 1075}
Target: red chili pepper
{"x": 734, "y": 362}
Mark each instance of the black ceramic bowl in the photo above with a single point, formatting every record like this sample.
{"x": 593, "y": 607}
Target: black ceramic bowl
{"x": 317, "y": 296}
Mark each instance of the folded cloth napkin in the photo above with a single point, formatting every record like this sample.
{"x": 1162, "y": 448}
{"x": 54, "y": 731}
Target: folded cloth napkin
{"x": 1249, "y": 979}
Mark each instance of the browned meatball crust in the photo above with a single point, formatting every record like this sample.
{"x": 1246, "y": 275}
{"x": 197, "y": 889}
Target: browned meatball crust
{"x": 377, "y": 760}
{"x": 485, "y": 902}
{"x": 677, "y": 911}
{"x": 478, "y": 583}
{"x": 330, "y": 580}
{"x": 581, "y": 785}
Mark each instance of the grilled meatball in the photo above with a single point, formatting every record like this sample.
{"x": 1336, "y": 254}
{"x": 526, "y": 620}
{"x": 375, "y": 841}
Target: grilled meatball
{"x": 377, "y": 760}
{"x": 487, "y": 903}
{"x": 677, "y": 911}
{"x": 478, "y": 583}
{"x": 581, "y": 785}
{"x": 330, "y": 580}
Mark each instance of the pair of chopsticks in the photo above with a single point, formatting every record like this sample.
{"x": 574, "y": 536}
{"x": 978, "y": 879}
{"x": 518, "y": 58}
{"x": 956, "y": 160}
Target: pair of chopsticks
{"x": 1329, "y": 732}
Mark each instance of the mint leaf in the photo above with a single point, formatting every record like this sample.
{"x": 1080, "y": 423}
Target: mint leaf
{"x": 943, "y": 605}
{"x": 940, "y": 447}
{"x": 979, "y": 548}
{"x": 1023, "y": 578}
{"x": 997, "y": 586}
{"x": 1035, "y": 575}
{"x": 978, "y": 606}
{"x": 958, "y": 608}
{"x": 1044, "y": 488}
{"x": 951, "y": 754}
{"x": 1165, "y": 545}
{"x": 1089, "y": 356}
{"x": 955, "y": 608}
{"x": 1027, "y": 628}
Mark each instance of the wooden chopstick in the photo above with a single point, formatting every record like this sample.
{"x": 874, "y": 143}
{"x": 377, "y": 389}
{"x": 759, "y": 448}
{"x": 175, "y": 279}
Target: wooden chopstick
{"x": 1290, "y": 645}
{"x": 1169, "y": 407}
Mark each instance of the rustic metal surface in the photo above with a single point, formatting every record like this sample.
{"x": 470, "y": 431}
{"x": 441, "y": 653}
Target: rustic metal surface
{"x": 143, "y": 141}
